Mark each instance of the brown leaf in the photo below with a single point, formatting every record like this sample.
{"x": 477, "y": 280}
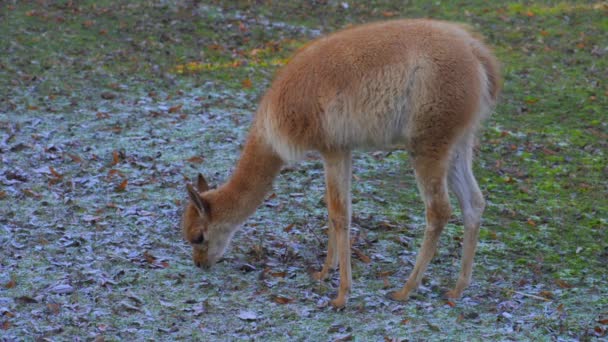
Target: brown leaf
{"x": 546, "y": 294}
{"x": 289, "y": 228}
{"x": 115, "y": 158}
{"x": 122, "y": 186}
{"x": 282, "y": 300}
{"x": 450, "y": 303}
{"x": 247, "y": 83}
{"x": 5, "y": 325}
{"x": 388, "y": 14}
{"x": 53, "y": 308}
{"x": 30, "y": 193}
{"x": 75, "y": 158}
{"x": 195, "y": 159}
{"x": 11, "y": 284}
{"x": 114, "y": 172}
{"x": 102, "y": 115}
{"x": 563, "y": 284}
{"x": 3, "y": 194}
{"x": 175, "y": 109}
{"x": 26, "y": 300}
{"x": 55, "y": 173}
{"x": 149, "y": 257}
{"x": 278, "y": 274}
{"x": 603, "y": 321}
{"x": 108, "y": 95}
{"x": 364, "y": 258}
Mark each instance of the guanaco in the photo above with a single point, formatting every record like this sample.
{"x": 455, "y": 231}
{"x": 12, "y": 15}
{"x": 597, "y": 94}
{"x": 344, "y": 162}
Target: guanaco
{"x": 422, "y": 84}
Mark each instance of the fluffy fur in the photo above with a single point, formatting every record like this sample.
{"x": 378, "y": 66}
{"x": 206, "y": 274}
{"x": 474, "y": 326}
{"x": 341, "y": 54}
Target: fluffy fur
{"x": 421, "y": 84}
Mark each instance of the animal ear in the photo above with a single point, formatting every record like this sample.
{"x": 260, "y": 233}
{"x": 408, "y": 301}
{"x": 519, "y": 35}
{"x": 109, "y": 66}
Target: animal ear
{"x": 201, "y": 183}
{"x": 199, "y": 203}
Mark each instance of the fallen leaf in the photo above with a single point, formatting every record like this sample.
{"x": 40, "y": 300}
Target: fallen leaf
{"x": 55, "y": 173}
{"x": 546, "y": 294}
{"x": 108, "y": 95}
{"x": 75, "y": 158}
{"x": 195, "y": 159}
{"x": 289, "y": 228}
{"x": 149, "y": 257}
{"x": 115, "y": 158}
{"x": 53, "y": 308}
{"x": 282, "y": 300}
{"x": 26, "y": 300}
{"x": 3, "y": 194}
{"x": 122, "y": 186}
{"x": 603, "y": 321}
{"x": 5, "y": 325}
{"x": 563, "y": 284}
{"x": 364, "y": 258}
{"x": 247, "y": 83}
{"x": 11, "y": 284}
{"x": 175, "y": 109}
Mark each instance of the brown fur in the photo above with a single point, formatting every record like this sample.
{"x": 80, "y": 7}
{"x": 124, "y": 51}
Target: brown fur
{"x": 421, "y": 84}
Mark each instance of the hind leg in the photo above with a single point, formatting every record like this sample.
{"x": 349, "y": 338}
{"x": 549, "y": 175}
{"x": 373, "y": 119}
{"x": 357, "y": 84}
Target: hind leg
{"x": 464, "y": 186}
{"x": 431, "y": 174}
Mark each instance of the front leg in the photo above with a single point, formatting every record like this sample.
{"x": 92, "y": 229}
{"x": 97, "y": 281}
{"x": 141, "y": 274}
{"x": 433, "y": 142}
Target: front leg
{"x": 337, "y": 179}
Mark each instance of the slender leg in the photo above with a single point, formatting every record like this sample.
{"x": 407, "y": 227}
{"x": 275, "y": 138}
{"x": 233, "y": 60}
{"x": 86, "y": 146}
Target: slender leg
{"x": 431, "y": 178}
{"x": 338, "y": 180}
{"x": 464, "y": 186}
{"x": 331, "y": 260}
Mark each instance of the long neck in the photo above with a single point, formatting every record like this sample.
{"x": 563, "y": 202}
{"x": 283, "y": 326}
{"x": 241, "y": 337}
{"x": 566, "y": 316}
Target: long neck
{"x": 238, "y": 198}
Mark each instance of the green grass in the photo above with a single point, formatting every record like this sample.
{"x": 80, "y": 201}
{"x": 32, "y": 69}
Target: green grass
{"x": 106, "y": 91}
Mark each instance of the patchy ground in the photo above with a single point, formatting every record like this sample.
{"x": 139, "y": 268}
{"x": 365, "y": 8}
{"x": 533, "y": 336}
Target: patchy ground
{"x": 107, "y": 108}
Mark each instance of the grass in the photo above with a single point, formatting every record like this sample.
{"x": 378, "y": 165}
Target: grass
{"x": 106, "y": 107}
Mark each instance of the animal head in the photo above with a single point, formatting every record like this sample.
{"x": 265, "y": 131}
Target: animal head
{"x": 207, "y": 236}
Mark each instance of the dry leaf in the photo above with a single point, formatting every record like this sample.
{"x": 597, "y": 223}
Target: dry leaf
{"x": 122, "y": 186}
{"x": 75, "y": 158}
{"x": 364, "y": 258}
{"x": 175, "y": 109}
{"x": 108, "y": 95}
{"x": 11, "y": 284}
{"x": 149, "y": 257}
{"x": 115, "y": 158}
{"x": 289, "y": 228}
{"x": 282, "y": 300}
{"x": 195, "y": 159}
{"x": 53, "y": 307}
{"x": 247, "y": 83}
{"x": 55, "y": 173}
{"x": 563, "y": 284}
{"x": 5, "y": 325}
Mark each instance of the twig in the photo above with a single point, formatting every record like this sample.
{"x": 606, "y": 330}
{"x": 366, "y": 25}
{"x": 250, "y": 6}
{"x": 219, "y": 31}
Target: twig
{"x": 530, "y": 295}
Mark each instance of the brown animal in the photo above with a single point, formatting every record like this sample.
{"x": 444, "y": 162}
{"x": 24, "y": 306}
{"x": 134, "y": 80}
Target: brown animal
{"x": 422, "y": 84}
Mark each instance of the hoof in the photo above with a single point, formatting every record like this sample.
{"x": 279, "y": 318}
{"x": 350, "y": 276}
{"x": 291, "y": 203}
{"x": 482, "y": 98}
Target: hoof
{"x": 397, "y": 295}
{"x": 453, "y": 294}
{"x": 338, "y": 304}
